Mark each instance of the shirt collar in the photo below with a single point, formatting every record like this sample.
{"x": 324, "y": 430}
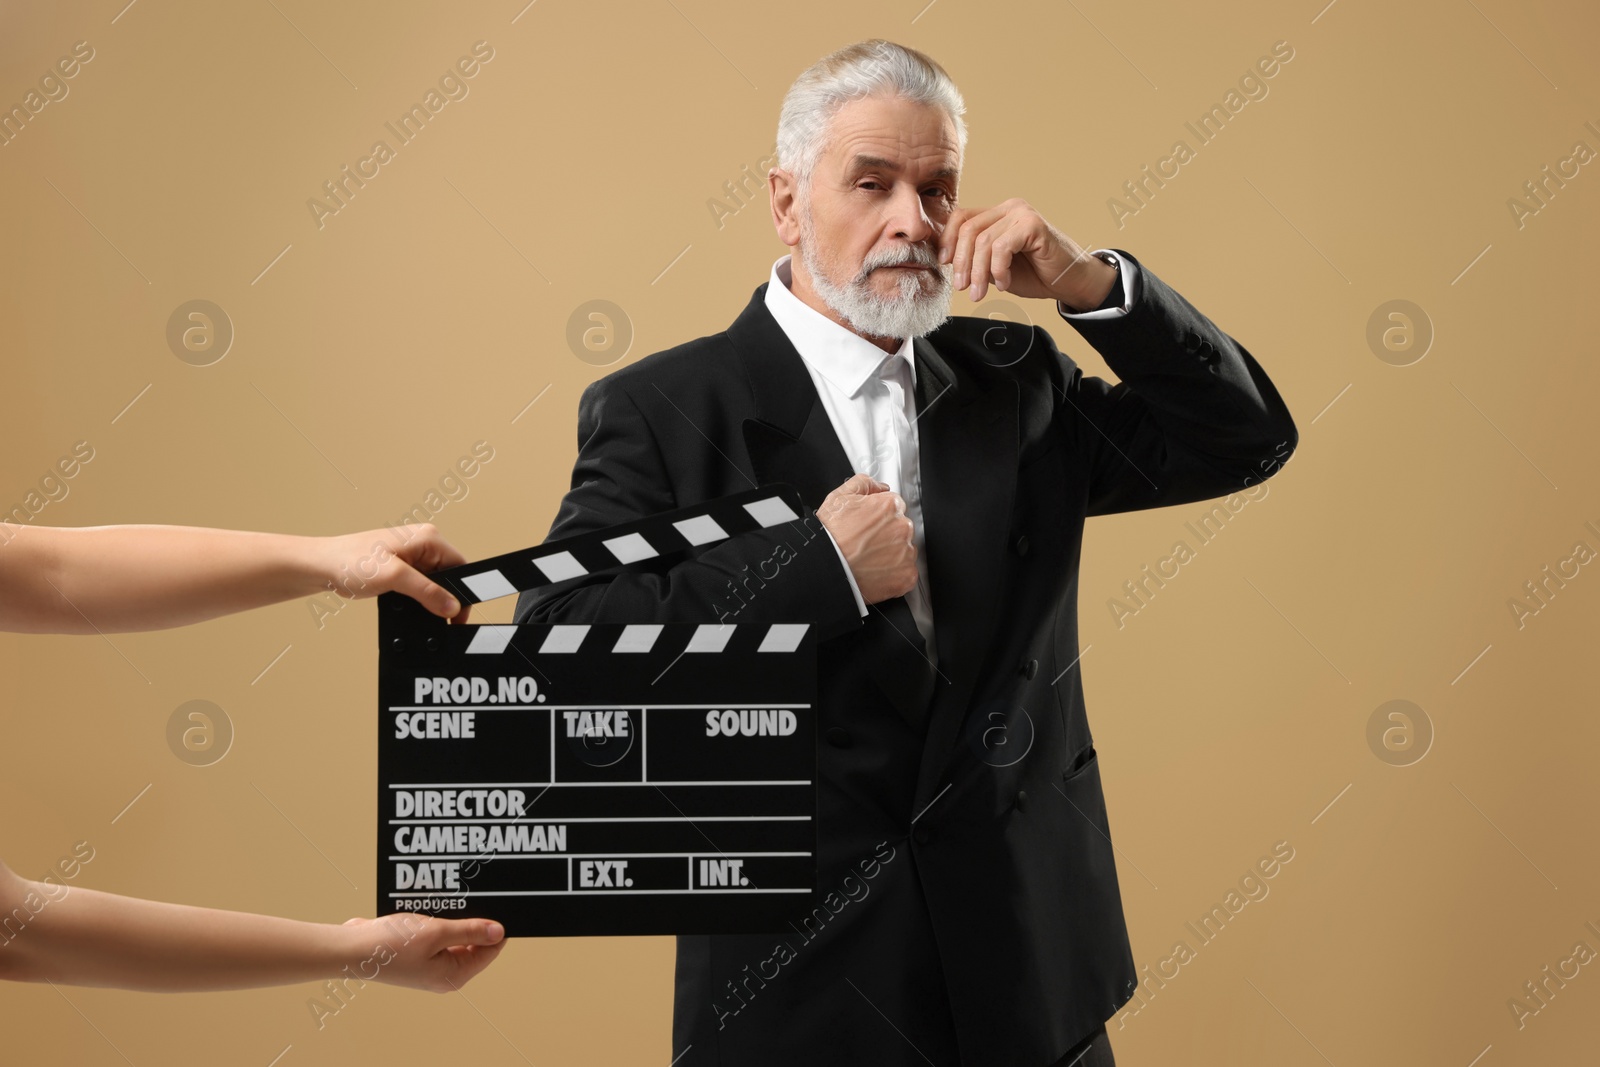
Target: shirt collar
{"x": 844, "y": 357}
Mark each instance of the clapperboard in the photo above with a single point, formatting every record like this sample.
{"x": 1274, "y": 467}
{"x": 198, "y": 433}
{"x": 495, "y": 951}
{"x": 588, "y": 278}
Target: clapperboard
{"x": 573, "y": 779}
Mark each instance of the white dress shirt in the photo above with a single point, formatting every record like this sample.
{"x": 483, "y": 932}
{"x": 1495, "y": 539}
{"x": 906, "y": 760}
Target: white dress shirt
{"x": 875, "y": 415}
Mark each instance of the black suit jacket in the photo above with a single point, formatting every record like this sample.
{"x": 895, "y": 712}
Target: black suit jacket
{"x": 968, "y": 908}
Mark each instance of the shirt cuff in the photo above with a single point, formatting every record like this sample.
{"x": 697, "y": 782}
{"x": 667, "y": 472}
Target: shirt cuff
{"x": 855, "y": 590}
{"x": 1118, "y": 301}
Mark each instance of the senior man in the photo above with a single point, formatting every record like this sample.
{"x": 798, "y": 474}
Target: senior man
{"x": 967, "y": 905}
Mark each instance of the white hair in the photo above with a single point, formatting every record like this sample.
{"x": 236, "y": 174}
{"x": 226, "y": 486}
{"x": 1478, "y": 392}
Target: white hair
{"x": 866, "y": 68}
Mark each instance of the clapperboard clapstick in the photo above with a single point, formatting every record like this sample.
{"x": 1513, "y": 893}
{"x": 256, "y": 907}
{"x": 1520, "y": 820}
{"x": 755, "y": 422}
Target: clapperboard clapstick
{"x": 618, "y": 778}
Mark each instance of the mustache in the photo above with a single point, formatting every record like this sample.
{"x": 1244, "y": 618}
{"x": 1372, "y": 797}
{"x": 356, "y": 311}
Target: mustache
{"x": 920, "y": 255}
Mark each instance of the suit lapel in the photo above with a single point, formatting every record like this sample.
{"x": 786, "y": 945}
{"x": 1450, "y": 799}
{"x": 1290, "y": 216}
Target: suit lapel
{"x": 967, "y": 442}
{"x": 791, "y": 439}
{"x": 967, "y": 448}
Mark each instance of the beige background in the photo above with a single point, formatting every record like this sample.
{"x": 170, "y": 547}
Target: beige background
{"x": 1231, "y": 713}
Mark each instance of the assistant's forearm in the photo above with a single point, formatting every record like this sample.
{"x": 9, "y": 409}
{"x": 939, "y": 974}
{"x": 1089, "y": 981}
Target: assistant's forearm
{"x": 111, "y": 579}
{"x": 86, "y": 937}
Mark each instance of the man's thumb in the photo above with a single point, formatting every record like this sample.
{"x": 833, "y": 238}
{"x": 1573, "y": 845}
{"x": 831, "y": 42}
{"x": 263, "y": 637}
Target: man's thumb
{"x": 862, "y": 485}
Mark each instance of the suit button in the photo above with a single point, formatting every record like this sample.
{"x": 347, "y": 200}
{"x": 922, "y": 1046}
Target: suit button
{"x": 1191, "y": 341}
{"x": 1021, "y": 544}
{"x": 1028, "y": 668}
{"x": 1022, "y": 800}
{"x": 838, "y": 737}
{"x": 922, "y": 835}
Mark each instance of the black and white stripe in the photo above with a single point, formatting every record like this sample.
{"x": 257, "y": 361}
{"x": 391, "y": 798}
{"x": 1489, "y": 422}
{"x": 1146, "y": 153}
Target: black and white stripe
{"x": 493, "y": 639}
{"x": 619, "y": 547}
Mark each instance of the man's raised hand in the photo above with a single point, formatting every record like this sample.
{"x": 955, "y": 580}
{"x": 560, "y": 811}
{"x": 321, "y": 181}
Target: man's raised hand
{"x": 1014, "y": 247}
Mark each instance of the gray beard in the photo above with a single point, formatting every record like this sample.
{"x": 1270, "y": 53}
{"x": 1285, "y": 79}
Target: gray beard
{"x": 908, "y": 313}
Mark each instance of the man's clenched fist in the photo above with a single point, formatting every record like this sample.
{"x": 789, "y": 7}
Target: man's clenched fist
{"x": 870, "y": 525}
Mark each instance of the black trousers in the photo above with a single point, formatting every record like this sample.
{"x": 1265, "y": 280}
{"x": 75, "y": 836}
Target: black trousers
{"x": 1092, "y": 1051}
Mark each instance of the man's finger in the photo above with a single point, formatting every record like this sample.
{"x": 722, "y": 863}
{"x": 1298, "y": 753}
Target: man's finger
{"x": 1001, "y": 254}
{"x": 952, "y": 229}
{"x": 970, "y": 229}
{"x": 861, "y": 485}
{"x": 988, "y": 253}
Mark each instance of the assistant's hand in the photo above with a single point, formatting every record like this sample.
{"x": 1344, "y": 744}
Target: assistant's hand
{"x": 421, "y": 952}
{"x": 870, "y": 525}
{"x": 1012, "y": 245}
{"x": 83, "y": 936}
{"x": 394, "y": 559}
